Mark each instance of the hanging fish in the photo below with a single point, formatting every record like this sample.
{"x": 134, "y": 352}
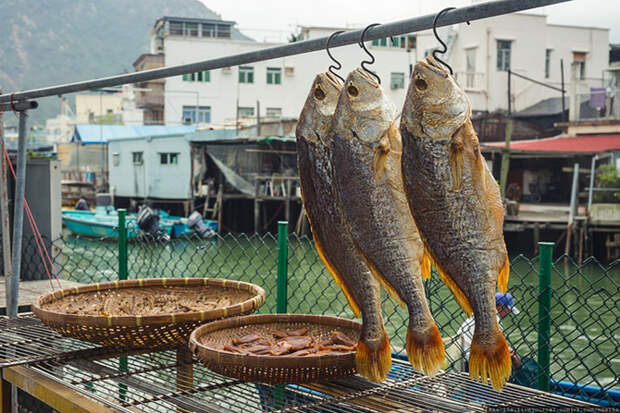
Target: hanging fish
{"x": 329, "y": 228}
{"x": 367, "y": 167}
{"x": 457, "y": 206}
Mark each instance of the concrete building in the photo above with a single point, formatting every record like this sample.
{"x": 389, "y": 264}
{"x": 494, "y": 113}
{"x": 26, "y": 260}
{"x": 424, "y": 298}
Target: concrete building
{"x": 479, "y": 53}
{"x": 150, "y": 96}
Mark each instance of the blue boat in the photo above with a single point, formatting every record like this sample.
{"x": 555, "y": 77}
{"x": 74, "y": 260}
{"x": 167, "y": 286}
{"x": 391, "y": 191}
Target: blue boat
{"x": 103, "y": 222}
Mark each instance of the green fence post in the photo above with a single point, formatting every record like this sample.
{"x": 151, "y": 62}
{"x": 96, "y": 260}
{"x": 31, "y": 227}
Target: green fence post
{"x": 544, "y": 314}
{"x": 281, "y": 298}
{"x": 122, "y": 275}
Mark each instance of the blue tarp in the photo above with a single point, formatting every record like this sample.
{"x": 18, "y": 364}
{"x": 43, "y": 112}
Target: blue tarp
{"x": 97, "y": 134}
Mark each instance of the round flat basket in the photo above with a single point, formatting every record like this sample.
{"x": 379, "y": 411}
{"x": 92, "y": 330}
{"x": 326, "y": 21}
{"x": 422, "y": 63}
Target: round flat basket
{"x": 207, "y": 343}
{"x": 118, "y": 323}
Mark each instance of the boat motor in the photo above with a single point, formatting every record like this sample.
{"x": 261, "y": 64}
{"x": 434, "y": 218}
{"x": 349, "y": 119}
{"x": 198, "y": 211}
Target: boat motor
{"x": 195, "y": 223}
{"x": 148, "y": 220}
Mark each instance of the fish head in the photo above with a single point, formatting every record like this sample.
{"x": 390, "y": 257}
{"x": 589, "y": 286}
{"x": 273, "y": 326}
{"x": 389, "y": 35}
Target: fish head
{"x": 315, "y": 118}
{"x": 435, "y": 105}
{"x": 363, "y": 111}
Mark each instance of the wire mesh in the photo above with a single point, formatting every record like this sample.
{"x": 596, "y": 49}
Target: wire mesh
{"x": 584, "y": 338}
{"x": 162, "y": 382}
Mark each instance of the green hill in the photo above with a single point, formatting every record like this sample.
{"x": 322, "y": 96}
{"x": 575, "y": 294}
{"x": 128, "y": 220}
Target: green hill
{"x": 47, "y": 42}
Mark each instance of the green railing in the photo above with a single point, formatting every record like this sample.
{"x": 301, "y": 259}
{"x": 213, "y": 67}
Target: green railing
{"x": 567, "y": 330}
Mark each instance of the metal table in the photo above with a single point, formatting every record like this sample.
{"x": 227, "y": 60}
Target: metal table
{"x": 94, "y": 379}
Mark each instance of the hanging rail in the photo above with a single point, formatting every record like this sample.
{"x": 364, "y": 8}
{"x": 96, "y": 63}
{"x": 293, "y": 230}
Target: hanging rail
{"x": 460, "y": 15}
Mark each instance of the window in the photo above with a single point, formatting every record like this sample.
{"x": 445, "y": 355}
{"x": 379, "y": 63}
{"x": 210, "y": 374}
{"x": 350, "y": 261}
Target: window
{"x": 191, "y": 29}
{"x": 208, "y": 30}
{"x": 547, "y": 63}
{"x": 193, "y": 114}
{"x": 274, "y": 75}
{"x": 116, "y": 159}
{"x": 246, "y": 112}
{"x": 274, "y": 112}
{"x": 380, "y": 42}
{"x": 470, "y": 66}
{"x": 198, "y": 76}
{"x": 246, "y": 74}
{"x": 397, "y": 80}
{"x": 411, "y": 42}
{"x": 503, "y": 55}
{"x": 223, "y": 30}
{"x": 579, "y": 58}
{"x": 136, "y": 158}
{"x": 176, "y": 28}
{"x": 169, "y": 158}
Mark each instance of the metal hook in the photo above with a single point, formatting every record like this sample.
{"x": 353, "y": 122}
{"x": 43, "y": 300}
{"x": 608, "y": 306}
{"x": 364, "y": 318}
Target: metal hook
{"x": 445, "y": 47}
{"x": 363, "y": 46}
{"x": 332, "y": 67}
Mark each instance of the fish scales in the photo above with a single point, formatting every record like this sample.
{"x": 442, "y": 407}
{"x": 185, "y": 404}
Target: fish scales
{"x": 330, "y": 229}
{"x": 367, "y": 167}
{"x": 456, "y": 204}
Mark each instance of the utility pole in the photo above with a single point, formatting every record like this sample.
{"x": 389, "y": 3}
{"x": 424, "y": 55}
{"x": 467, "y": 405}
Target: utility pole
{"x": 4, "y": 210}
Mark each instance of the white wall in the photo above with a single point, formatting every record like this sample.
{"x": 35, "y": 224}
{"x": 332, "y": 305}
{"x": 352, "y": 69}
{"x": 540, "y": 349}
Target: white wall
{"x": 530, "y": 35}
{"x": 151, "y": 179}
{"x": 97, "y": 105}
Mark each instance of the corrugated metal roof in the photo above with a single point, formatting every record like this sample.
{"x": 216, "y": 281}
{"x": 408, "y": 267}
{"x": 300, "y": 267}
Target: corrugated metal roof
{"x": 210, "y": 135}
{"x": 90, "y": 134}
{"x": 565, "y": 144}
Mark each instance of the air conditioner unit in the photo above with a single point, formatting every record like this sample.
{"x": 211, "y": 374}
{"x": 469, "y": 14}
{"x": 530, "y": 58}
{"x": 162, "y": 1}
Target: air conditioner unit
{"x": 289, "y": 71}
{"x": 187, "y": 121}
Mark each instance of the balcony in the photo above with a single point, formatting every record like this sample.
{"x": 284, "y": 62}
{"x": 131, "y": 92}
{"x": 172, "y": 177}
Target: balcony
{"x": 150, "y": 100}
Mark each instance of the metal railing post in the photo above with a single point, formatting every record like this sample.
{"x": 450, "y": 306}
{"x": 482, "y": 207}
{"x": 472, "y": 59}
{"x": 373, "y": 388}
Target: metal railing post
{"x": 281, "y": 298}
{"x": 122, "y": 275}
{"x": 544, "y": 314}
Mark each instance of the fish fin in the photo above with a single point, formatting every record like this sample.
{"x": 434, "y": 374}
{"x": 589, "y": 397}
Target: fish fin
{"x": 425, "y": 351}
{"x": 374, "y": 364}
{"x": 490, "y": 361}
{"x": 449, "y": 282}
{"x": 456, "y": 164}
{"x": 502, "y": 279}
{"x": 426, "y": 266}
{"x": 381, "y": 280}
{"x": 380, "y": 163}
{"x": 352, "y": 303}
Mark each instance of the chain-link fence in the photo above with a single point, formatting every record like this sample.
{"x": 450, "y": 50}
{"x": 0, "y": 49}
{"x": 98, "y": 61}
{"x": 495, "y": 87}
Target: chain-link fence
{"x": 584, "y": 306}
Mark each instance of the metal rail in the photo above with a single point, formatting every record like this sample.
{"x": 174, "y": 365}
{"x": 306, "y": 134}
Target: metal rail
{"x": 460, "y": 15}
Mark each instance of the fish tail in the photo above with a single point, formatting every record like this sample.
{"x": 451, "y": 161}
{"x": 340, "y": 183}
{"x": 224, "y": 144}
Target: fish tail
{"x": 374, "y": 363}
{"x": 502, "y": 279}
{"x": 490, "y": 361}
{"x": 425, "y": 350}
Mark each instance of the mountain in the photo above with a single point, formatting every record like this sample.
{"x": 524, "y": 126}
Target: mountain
{"x": 48, "y": 42}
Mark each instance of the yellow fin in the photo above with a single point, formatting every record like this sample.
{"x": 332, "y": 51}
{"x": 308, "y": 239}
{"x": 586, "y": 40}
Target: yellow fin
{"x": 380, "y": 163}
{"x": 447, "y": 280}
{"x": 319, "y": 249}
{"x": 374, "y": 364}
{"x": 426, "y": 266}
{"x": 502, "y": 279}
{"x": 387, "y": 286}
{"x": 456, "y": 163}
{"x": 426, "y": 351}
{"x": 490, "y": 361}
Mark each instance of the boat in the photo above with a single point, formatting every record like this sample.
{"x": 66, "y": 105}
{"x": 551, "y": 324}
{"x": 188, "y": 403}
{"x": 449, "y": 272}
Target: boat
{"x": 103, "y": 222}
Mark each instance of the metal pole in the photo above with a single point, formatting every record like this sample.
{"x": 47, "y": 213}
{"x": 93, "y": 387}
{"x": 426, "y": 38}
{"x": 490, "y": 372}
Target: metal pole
{"x": 544, "y": 315}
{"x": 460, "y": 15}
{"x": 503, "y": 176}
{"x": 509, "y": 100}
{"x": 592, "y": 175}
{"x": 281, "y": 298}
{"x": 18, "y": 219}
{"x": 563, "y": 90}
{"x": 4, "y": 211}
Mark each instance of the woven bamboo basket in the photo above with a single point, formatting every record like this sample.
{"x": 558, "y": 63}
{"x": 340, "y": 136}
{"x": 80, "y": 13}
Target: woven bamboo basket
{"x": 206, "y": 342}
{"x": 159, "y": 331}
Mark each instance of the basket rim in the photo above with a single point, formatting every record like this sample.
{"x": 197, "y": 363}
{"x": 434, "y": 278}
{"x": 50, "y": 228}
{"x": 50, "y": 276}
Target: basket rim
{"x": 223, "y": 357}
{"x": 144, "y": 320}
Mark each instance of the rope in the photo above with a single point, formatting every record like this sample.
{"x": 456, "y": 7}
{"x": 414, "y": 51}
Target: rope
{"x": 37, "y": 235}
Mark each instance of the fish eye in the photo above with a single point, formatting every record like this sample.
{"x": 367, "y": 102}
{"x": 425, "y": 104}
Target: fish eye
{"x": 352, "y": 91}
{"x": 319, "y": 94}
{"x": 420, "y": 84}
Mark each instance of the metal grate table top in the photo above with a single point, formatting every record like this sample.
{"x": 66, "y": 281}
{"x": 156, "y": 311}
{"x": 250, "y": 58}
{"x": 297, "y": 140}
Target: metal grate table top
{"x": 169, "y": 381}
{"x": 25, "y": 339}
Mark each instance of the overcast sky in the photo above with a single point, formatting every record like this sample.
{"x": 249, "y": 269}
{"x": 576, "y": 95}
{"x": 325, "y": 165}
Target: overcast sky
{"x": 272, "y": 20}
